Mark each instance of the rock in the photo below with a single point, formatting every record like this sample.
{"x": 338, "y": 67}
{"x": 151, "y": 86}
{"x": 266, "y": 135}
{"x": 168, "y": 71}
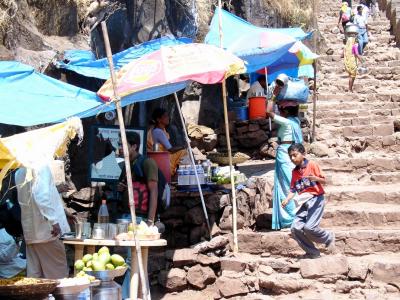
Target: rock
{"x": 207, "y": 260}
{"x": 224, "y": 200}
{"x": 232, "y": 264}
{"x": 346, "y": 286}
{"x": 386, "y": 272}
{"x": 173, "y": 280}
{"x": 200, "y": 277}
{"x": 182, "y": 257}
{"x": 324, "y": 267}
{"x": 215, "y": 243}
{"x": 265, "y": 270}
{"x": 196, "y": 233}
{"x": 213, "y": 203}
{"x": 396, "y": 124}
{"x": 284, "y": 283}
{"x": 195, "y": 216}
{"x": 319, "y": 149}
{"x": 358, "y": 270}
{"x": 174, "y": 212}
{"x": 226, "y": 219}
{"x": 231, "y": 286}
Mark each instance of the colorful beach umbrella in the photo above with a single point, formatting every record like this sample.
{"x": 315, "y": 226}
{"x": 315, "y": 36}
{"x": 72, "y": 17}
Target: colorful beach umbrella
{"x": 170, "y": 66}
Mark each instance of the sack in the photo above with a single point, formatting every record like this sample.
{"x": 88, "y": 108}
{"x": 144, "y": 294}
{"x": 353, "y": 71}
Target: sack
{"x": 345, "y": 18}
{"x": 295, "y": 90}
{"x": 164, "y": 191}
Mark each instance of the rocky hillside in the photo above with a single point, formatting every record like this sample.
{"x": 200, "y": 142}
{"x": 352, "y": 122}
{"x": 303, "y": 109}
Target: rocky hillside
{"x": 36, "y": 31}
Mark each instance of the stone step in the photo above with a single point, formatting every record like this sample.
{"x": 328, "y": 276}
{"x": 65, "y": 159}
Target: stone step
{"x": 371, "y": 120}
{"x": 353, "y": 242}
{"x": 347, "y": 97}
{"x": 361, "y": 215}
{"x": 371, "y": 163}
{"x": 360, "y": 130}
{"x": 367, "y": 190}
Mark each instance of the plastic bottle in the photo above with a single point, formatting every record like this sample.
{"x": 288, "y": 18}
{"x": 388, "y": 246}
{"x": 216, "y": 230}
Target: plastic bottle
{"x": 200, "y": 174}
{"x": 192, "y": 176}
{"x": 181, "y": 175}
{"x": 207, "y": 171}
{"x": 103, "y": 216}
{"x": 186, "y": 175}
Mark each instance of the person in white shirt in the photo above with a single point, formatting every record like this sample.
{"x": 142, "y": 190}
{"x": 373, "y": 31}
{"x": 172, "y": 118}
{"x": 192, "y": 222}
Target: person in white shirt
{"x": 362, "y": 22}
{"x": 43, "y": 220}
{"x": 10, "y": 263}
{"x": 257, "y": 88}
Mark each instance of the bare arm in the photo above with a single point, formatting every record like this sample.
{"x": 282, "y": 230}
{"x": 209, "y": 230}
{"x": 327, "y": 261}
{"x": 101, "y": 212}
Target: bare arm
{"x": 289, "y": 197}
{"x": 153, "y": 189}
{"x": 321, "y": 180}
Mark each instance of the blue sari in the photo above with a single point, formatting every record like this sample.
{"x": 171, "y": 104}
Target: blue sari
{"x": 283, "y": 217}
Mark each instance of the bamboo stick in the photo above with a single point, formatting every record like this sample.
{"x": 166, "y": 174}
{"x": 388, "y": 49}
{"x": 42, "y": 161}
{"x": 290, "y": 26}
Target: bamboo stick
{"x": 117, "y": 100}
{"x": 228, "y": 143}
{"x": 203, "y": 204}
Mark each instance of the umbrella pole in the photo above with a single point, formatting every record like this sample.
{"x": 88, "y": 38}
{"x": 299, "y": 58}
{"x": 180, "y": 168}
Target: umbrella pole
{"x": 203, "y": 204}
{"x": 228, "y": 143}
{"x": 144, "y": 280}
{"x": 266, "y": 82}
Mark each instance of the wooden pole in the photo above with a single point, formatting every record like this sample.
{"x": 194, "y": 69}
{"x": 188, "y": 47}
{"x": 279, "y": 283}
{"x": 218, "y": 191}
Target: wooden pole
{"x": 315, "y": 71}
{"x": 228, "y": 143}
{"x": 144, "y": 280}
{"x": 203, "y": 203}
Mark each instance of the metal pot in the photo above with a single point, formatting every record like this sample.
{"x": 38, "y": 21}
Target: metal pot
{"x": 351, "y": 29}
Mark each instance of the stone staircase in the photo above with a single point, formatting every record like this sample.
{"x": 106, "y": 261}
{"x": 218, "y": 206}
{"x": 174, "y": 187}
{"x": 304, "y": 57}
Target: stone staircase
{"x": 361, "y": 159}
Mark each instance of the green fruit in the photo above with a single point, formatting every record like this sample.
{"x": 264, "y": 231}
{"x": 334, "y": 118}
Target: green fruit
{"x": 104, "y": 258}
{"x": 103, "y": 250}
{"x": 117, "y": 260}
{"x": 109, "y": 267}
{"x": 81, "y": 273}
{"x": 86, "y": 269}
{"x": 79, "y": 265}
{"x": 87, "y": 258}
{"x": 95, "y": 256}
{"x": 89, "y": 264}
{"x": 98, "y": 266}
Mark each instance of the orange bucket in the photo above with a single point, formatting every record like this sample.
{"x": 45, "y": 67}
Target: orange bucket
{"x": 257, "y": 108}
{"x": 162, "y": 160}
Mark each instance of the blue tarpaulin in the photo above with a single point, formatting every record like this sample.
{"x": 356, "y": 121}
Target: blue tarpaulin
{"x": 84, "y": 62}
{"x": 246, "y": 40}
{"x": 30, "y": 98}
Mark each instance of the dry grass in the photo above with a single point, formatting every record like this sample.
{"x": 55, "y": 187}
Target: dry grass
{"x": 294, "y": 12}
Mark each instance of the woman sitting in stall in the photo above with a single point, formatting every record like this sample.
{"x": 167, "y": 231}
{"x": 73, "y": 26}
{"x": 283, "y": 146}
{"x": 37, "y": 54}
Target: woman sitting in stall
{"x": 157, "y": 134}
{"x": 289, "y": 132}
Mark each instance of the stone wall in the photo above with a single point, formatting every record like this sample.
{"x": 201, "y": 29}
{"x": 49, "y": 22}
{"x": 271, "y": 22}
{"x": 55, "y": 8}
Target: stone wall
{"x": 392, "y": 9}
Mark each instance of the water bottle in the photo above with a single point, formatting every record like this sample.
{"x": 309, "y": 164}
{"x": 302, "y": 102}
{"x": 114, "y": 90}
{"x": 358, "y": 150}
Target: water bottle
{"x": 103, "y": 216}
{"x": 181, "y": 174}
{"x": 192, "y": 176}
{"x": 186, "y": 175}
{"x": 207, "y": 171}
{"x": 200, "y": 174}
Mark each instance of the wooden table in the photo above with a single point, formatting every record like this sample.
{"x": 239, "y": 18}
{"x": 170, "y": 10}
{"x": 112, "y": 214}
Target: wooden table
{"x": 145, "y": 245}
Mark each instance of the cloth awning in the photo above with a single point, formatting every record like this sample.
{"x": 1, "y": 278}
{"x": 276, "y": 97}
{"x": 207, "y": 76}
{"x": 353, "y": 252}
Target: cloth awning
{"x": 259, "y": 47}
{"x": 84, "y": 62}
{"x": 30, "y": 98}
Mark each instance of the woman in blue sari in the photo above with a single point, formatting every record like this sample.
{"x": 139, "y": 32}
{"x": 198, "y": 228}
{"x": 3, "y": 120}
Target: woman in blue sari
{"x": 289, "y": 132}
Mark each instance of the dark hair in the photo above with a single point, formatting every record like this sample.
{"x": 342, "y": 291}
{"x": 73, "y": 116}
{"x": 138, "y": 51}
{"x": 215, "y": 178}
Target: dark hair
{"x": 157, "y": 113}
{"x": 359, "y": 7}
{"x": 291, "y": 111}
{"x": 133, "y": 138}
{"x": 297, "y": 147}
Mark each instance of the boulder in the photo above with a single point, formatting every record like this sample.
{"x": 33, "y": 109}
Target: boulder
{"x": 182, "y": 257}
{"x": 206, "y": 260}
{"x": 229, "y": 287}
{"x": 173, "y": 280}
{"x": 324, "y": 267}
{"x": 226, "y": 219}
{"x": 358, "y": 270}
{"x": 200, "y": 277}
{"x": 319, "y": 149}
{"x": 215, "y": 243}
{"x": 195, "y": 216}
{"x": 284, "y": 283}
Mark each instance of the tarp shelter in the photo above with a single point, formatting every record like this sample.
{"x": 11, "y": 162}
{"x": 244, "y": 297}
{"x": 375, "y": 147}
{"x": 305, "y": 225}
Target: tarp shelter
{"x": 30, "y": 98}
{"x": 259, "y": 47}
{"x": 297, "y": 62}
{"x": 84, "y": 62}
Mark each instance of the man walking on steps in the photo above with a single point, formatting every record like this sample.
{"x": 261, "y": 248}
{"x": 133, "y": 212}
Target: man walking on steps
{"x": 361, "y": 20}
{"x": 307, "y": 180}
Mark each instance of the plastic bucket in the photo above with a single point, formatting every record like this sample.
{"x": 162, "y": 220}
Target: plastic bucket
{"x": 257, "y": 107}
{"x": 162, "y": 160}
{"x": 242, "y": 113}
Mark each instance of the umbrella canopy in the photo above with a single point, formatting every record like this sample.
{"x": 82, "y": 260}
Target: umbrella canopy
{"x": 257, "y": 46}
{"x": 169, "y": 67}
{"x": 29, "y": 98}
{"x": 297, "y": 62}
{"x": 83, "y": 61}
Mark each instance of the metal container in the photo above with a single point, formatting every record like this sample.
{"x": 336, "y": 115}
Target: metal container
{"x": 107, "y": 290}
{"x": 122, "y": 228}
{"x": 111, "y": 231}
{"x": 78, "y": 230}
{"x": 351, "y": 29}
{"x": 98, "y": 234}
